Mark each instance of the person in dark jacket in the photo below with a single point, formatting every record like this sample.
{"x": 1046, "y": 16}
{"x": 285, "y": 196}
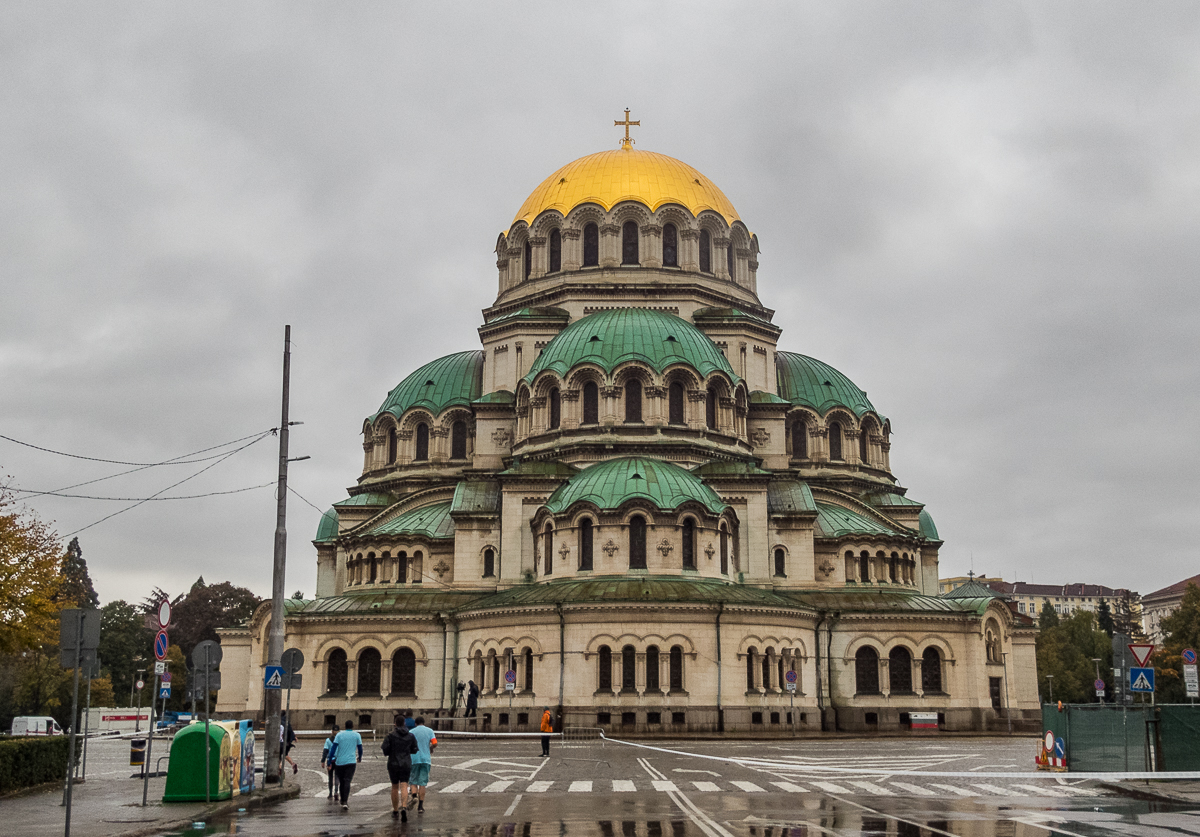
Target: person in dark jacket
{"x": 472, "y": 700}
{"x": 399, "y": 747}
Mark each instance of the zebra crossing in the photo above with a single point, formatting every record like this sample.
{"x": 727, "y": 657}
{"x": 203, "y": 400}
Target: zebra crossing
{"x": 856, "y": 787}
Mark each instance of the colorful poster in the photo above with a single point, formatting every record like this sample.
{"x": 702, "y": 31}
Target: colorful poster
{"x": 246, "y": 772}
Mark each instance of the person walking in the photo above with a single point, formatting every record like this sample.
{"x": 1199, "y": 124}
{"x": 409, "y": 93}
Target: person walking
{"x": 326, "y": 761}
{"x": 399, "y": 747}
{"x": 547, "y": 728}
{"x": 287, "y": 740}
{"x": 346, "y": 755}
{"x": 472, "y": 700}
{"x": 422, "y": 761}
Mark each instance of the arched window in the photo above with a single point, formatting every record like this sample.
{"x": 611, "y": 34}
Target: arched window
{"x": 866, "y": 671}
{"x": 629, "y": 243}
{"x": 676, "y": 667}
{"x": 555, "y": 251}
{"x": 864, "y": 568}
{"x": 336, "y": 672}
{"x": 591, "y": 403}
{"x": 628, "y": 669}
{"x": 729, "y": 262}
{"x": 585, "y": 544}
{"x": 604, "y": 669}
{"x": 724, "y": 550}
{"x": 555, "y": 408}
{"x": 710, "y": 409}
{"x": 528, "y": 258}
{"x": 489, "y": 563}
{"x": 670, "y": 246}
{"x": 893, "y": 563}
{"x": 766, "y": 671}
{"x": 528, "y": 655}
{"x": 391, "y": 443}
{"x": 373, "y": 574}
{"x": 637, "y": 543}
{"x": 689, "y": 544}
{"x": 751, "y": 654}
{"x": 652, "y": 669}
{"x": 404, "y": 672}
{"x": 494, "y": 665}
{"x": 368, "y": 672}
{"x": 779, "y": 564}
{"x": 591, "y": 245}
{"x": 675, "y": 403}
{"x": 862, "y": 445}
{"x": 705, "y": 252}
{"x": 835, "y": 441}
{"x": 549, "y": 547}
{"x": 900, "y": 671}
{"x": 458, "y": 440}
{"x": 422, "y": 443}
{"x": 633, "y": 400}
{"x": 800, "y": 440}
{"x": 401, "y": 567}
{"x": 931, "y": 671}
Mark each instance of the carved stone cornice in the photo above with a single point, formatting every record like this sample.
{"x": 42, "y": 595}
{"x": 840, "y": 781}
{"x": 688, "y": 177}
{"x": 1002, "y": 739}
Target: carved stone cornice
{"x": 572, "y": 235}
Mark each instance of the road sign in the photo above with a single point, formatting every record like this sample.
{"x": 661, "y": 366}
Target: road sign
{"x": 1098, "y": 685}
{"x": 1060, "y": 748}
{"x": 1141, "y": 679}
{"x": 1141, "y": 651}
{"x": 509, "y": 687}
{"x": 789, "y": 676}
{"x": 1189, "y": 656}
{"x": 164, "y": 691}
{"x": 164, "y": 614}
{"x": 213, "y": 649}
{"x": 1191, "y": 681}
{"x": 69, "y": 636}
{"x": 160, "y": 667}
{"x": 201, "y": 683}
{"x": 510, "y": 676}
{"x": 1048, "y": 742}
{"x": 293, "y": 681}
{"x": 166, "y": 675}
{"x": 292, "y": 660}
{"x": 160, "y": 645}
{"x": 791, "y": 687}
{"x": 273, "y": 677}
{"x": 141, "y": 684}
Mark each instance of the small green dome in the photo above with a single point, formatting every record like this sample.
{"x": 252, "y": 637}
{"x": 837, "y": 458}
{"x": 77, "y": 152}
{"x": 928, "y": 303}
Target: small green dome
{"x": 446, "y": 382}
{"x": 327, "y": 529}
{"x": 609, "y": 484}
{"x": 809, "y": 382}
{"x": 611, "y": 338}
{"x": 928, "y": 530}
{"x": 430, "y": 521}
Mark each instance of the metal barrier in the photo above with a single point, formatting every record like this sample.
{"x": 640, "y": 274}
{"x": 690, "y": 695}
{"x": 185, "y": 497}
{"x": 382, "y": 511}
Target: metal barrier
{"x": 1107, "y": 738}
{"x": 577, "y": 737}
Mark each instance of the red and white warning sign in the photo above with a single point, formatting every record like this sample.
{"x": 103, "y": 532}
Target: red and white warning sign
{"x": 1141, "y": 652}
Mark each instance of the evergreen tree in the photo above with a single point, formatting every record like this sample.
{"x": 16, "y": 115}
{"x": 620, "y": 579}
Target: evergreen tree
{"x": 76, "y": 589}
{"x": 1066, "y": 650}
{"x": 1104, "y": 618}
{"x": 1048, "y": 618}
{"x": 125, "y": 646}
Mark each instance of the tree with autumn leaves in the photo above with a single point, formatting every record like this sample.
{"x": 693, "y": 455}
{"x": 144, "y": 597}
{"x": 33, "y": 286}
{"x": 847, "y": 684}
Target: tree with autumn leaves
{"x": 1180, "y": 630}
{"x": 31, "y": 559}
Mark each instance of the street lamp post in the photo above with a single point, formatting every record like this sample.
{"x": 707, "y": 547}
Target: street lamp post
{"x": 1096, "y": 660}
{"x": 1050, "y": 683}
{"x": 137, "y": 715}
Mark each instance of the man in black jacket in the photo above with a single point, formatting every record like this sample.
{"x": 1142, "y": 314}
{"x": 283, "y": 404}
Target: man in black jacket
{"x": 399, "y": 747}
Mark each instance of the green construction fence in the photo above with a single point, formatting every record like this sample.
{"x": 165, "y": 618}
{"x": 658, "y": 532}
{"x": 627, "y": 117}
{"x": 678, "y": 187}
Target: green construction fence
{"x": 1104, "y": 738}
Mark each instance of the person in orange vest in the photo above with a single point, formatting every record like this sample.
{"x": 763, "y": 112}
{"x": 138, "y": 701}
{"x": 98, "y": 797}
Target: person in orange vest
{"x": 547, "y": 728}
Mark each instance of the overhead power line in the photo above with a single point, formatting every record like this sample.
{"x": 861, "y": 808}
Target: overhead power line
{"x": 178, "y": 460}
{"x": 155, "y": 498}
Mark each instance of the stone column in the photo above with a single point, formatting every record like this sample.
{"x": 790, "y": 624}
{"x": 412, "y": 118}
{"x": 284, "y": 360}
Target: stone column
{"x": 689, "y": 251}
{"x": 651, "y": 245}
{"x": 572, "y": 249}
{"x": 385, "y": 677}
{"x": 541, "y": 257}
{"x": 351, "y": 678}
{"x": 610, "y": 245}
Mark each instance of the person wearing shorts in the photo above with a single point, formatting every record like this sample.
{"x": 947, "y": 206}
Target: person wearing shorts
{"x": 421, "y": 762}
{"x": 399, "y": 747}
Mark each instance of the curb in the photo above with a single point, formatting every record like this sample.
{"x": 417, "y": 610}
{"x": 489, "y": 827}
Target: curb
{"x": 257, "y": 799}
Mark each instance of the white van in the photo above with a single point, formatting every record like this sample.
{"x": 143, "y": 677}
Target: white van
{"x": 36, "y": 725}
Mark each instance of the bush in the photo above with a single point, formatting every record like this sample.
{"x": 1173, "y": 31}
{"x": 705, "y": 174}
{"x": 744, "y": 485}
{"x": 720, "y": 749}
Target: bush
{"x": 25, "y": 762}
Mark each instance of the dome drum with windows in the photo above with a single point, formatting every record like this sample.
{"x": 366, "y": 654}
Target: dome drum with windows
{"x": 629, "y": 468}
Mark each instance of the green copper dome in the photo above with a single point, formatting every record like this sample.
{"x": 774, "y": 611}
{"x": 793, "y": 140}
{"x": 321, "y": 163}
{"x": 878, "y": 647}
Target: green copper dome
{"x": 451, "y": 380}
{"x": 809, "y": 382}
{"x": 611, "y": 338}
{"x": 327, "y": 529}
{"x": 609, "y": 484}
{"x": 431, "y": 521}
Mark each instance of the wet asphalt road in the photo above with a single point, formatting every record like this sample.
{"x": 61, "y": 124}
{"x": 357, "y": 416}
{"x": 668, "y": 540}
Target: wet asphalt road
{"x": 502, "y": 788}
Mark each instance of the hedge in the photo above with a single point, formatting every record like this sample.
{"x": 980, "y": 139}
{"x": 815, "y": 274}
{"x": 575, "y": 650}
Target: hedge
{"x": 31, "y": 761}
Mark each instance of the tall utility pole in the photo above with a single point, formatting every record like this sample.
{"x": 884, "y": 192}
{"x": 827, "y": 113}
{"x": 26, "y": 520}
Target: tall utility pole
{"x": 271, "y": 697}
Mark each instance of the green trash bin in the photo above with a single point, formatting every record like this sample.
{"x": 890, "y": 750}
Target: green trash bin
{"x": 230, "y": 766}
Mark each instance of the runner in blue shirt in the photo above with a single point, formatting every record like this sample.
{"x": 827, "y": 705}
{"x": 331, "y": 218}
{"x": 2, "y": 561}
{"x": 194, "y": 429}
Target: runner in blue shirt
{"x": 421, "y": 763}
{"x": 326, "y": 762}
{"x": 345, "y": 755}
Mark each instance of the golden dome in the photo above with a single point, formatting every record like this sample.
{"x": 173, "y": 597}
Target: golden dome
{"x": 609, "y": 177}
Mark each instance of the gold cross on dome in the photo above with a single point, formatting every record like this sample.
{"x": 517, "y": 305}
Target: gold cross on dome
{"x": 628, "y": 141}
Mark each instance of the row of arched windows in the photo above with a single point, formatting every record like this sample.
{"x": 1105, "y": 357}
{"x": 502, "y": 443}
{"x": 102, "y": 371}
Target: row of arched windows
{"x": 628, "y": 670}
{"x": 630, "y": 249}
{"x": 897, "y": 568}
{"x": 369, "y": 671}
{"x": 489, "y": 670}
{"x": 766, "y": 671}
{"x": 458, "y": 442}
{"x": 637, "y": 544}
{"x": 836, "y": 434}
{"x": 385, "y": 568}
{"x": 633, "y": 405}
{"x": 900, "y": 671}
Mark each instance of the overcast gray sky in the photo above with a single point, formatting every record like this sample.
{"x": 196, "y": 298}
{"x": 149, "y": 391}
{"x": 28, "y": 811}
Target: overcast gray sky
{"x": 985, "y": 214}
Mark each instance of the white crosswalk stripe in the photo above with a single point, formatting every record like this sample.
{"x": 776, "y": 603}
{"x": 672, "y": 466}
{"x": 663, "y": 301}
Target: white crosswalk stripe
{"x": 707, "y": 787}
{"x": 663, "y": 785}
{"x": 623, "y": 786}
{"x": 748, "y": 787}
{"x": 878, "y": 790}
{"x": 496, "y": 787}
{"x": 953, "y": 789}
{"x": 994, "y": 789}
{"x": 789, "y": 787}
{"x": 371, "y": 790}
{"x": 1042, "y": 790}
{"x": 581, "y": 786}
{"x": 917, "y": 789}
{"x": 538, "y": 787}
{"x": 457, "y": 787}
{"x": 830, "y": 787}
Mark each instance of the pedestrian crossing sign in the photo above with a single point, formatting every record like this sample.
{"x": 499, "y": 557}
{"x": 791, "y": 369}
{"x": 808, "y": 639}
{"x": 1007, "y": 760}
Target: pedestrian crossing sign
{"x": 164, "y": 691}
{"x": 273, "y": 677}
{"x": 1141, "y": 679}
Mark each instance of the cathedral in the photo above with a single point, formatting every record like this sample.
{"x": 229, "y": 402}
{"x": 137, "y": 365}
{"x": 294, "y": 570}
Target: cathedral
{"x": 630, "y": 504}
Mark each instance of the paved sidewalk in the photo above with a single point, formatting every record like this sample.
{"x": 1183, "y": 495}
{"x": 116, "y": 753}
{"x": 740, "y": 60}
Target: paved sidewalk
{"x": 113, "y": 808}
{"x": 1166, "y": 790}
